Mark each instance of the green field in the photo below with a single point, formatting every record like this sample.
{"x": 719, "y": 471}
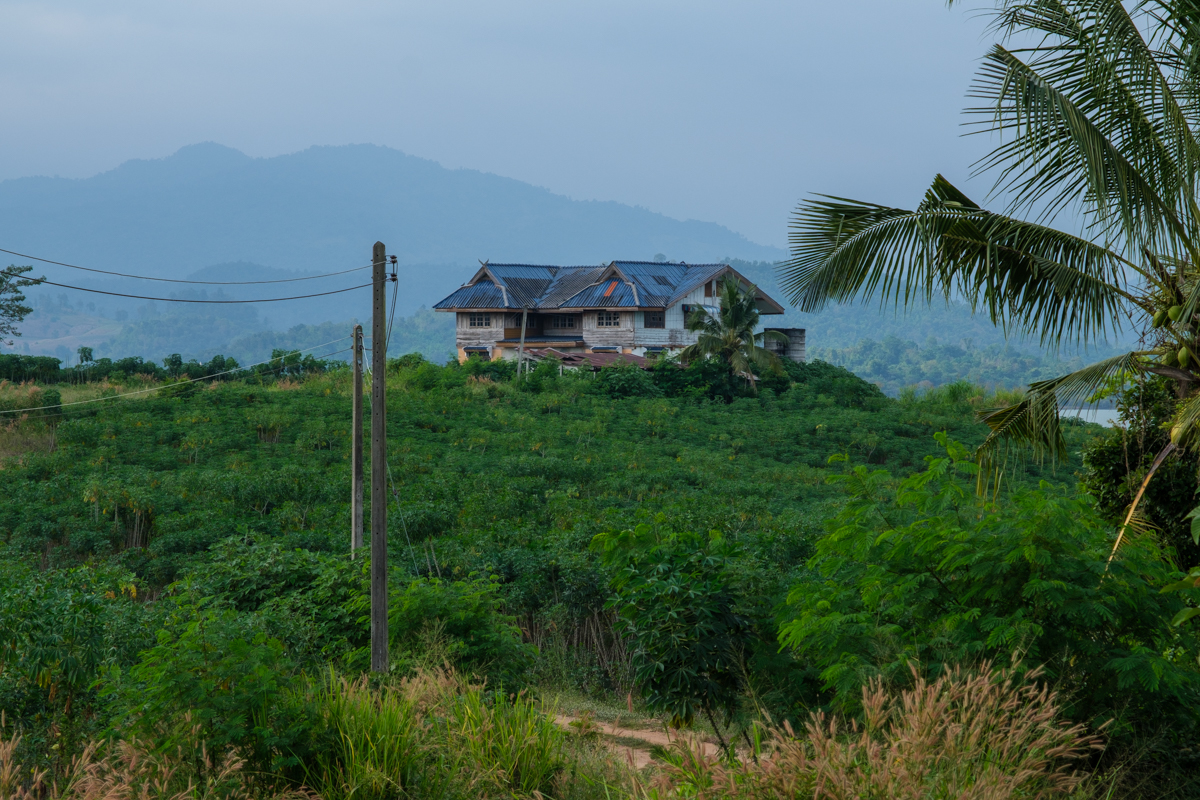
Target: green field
{"x": 182, "y": 555}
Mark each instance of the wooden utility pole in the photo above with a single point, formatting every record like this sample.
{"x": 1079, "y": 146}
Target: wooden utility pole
{"x": 379, "y": 592}
{"x": 356, "y": 452}
{"x": 521, "y": 346}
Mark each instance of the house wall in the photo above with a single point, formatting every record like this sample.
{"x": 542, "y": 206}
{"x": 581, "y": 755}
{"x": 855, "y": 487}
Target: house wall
{"x": 675, "y": 334}
{"x": 466, "y": 336}
{"x": 621, "y": 336}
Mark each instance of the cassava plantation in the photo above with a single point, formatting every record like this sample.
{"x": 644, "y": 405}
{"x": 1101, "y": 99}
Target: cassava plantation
{"x": 621, "y": 583}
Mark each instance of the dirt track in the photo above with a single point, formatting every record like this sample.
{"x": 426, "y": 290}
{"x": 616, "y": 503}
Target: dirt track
{"x": 618, "y": 738}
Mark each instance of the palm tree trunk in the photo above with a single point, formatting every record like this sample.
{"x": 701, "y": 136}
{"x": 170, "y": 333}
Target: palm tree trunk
{"x": 1158, "y": 461}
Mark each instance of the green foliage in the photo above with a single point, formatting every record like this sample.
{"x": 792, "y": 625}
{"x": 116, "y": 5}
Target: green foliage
{"x": 216, "y": 679}
{"x": 926, "y": 574}
{"x": 433, "y": 735}
{"x": 676, "y": 609}
{"x": 1116, "y": 463}
{"x": 624, "y": 379}
{"x": 894, "y": 363}
{"x": 237, "y": 494}
{"x": 298, "y": 594}
{"x": 58, "y": 632}
{"x": 728, "y": 334}
{"x": 12, "y": 300}
{"x": 463, "y": 620}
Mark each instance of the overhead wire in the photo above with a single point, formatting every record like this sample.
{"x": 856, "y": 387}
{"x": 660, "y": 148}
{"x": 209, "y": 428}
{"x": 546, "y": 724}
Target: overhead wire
{"x": 181, "y": 280}
{"x": 179, "y": 383}
{"x": 180, "y": 299}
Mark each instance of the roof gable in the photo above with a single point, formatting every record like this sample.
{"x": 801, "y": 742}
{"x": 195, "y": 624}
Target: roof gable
{"x": 618, "y": 284}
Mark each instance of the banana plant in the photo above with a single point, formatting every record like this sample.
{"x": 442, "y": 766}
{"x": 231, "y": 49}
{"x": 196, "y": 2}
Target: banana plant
{"x": 1097, "y": 115}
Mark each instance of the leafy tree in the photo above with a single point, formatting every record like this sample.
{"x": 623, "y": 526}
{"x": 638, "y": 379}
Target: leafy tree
{"x": 728, "y": 334}
{"x": 12, "y": 300}
{"x": 927, "y": 573}
{"x": 1097, "y": 116}
{"x": 623, "y": 379}
{"x": 674, "y": 603}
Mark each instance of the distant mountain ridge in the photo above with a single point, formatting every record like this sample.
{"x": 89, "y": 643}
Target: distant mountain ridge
{"x": 321, "y": 209}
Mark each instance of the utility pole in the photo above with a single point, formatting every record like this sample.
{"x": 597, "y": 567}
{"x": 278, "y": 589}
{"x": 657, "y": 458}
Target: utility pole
{"x": 356, "y": 454}
{"x": 379, "y": 591}
{"x": 521, "y": 347}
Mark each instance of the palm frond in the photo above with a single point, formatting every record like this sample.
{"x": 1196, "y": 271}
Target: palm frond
{"x": 1027, "y": 276}
{"x": 1092, "y": 117}
{"x": 1033, "y": 424}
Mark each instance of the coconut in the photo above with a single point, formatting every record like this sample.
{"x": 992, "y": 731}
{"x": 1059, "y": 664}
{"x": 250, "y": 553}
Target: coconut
{"x": 1159, "y": 318}
{"x": 1173, "y": 312}
{"x": 1185, "y": 356}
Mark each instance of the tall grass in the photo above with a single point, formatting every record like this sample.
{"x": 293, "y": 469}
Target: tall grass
{"x": 961, "y": 393}
{"x": 130, "y": 772}
{"x": 969, "y": 736}
{"x": 435, "y": 735}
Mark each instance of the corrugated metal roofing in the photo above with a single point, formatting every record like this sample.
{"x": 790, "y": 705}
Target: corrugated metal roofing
{"x": 651, "y": 284}
{"x": 570, "y": 282}
{"x": 610, "y": 293}
{"x": 593, "y": 360}
{"x": 483, "y": 294}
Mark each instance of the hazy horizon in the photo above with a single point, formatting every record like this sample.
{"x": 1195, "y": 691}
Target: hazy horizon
{"x": 698, "y": 111}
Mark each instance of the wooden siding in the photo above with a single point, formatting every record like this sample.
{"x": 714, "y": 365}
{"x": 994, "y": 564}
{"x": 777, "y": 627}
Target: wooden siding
{"x": 466, "y": 336}
{"x": 620, "y": 336}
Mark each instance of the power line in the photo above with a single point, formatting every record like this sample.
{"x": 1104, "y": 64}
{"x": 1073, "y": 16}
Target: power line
{"x": 180, "y": 280}
{"x": 178, "y": 299}
{"x": 180, "y": 383}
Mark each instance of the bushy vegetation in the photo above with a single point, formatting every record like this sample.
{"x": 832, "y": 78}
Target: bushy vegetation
{"x": 176, "y": 574}
{"x": 894, "y": 363}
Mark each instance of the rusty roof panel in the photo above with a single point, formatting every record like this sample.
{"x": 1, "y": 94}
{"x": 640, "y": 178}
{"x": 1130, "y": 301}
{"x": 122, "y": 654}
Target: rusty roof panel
{"x": 603, "y": 295}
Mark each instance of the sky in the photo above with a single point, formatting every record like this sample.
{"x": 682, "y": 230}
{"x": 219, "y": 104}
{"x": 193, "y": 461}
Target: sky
{"x": 728, "y": 112}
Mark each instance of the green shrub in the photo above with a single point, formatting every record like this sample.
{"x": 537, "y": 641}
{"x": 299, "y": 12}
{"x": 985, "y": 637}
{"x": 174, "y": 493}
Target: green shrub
{"x": 624, "y": 379}
{"x": 461, "y": 621}
{"x": 926, "y": 573}
{"x": 215, "y": 681}
{"x": 677, "y": 611}
{"x": 58, "y": 632}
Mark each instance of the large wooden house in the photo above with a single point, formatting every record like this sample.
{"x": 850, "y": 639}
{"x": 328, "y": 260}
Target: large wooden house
{"x": 632, "y": 307}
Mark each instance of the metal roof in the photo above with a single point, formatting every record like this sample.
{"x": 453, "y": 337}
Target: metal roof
{"x": 618, "y": 284}
{"x": 609, "y": 293}
{"x": 593, "y": 360}
{"x": 483, "y": 294}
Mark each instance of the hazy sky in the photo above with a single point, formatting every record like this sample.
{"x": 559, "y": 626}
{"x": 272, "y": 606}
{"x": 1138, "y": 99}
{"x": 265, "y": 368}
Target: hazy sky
{"x": 720, "y": 111}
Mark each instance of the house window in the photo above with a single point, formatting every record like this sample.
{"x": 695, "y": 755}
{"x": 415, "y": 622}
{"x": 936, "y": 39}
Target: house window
{"x": 656, "y": 319}
{"x": 608, "y": 319}
{"x": 708, "y": 289}
{"x": 479, "y": 320}
{"x": 563, "y": 322}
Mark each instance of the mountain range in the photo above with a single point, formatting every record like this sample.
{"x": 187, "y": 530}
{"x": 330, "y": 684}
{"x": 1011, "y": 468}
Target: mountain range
{"x": 321, "y": 210}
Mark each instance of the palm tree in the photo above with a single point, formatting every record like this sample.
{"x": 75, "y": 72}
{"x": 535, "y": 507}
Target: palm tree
{"x": 1099, "y": 117}
{"x": 728, "y": 334}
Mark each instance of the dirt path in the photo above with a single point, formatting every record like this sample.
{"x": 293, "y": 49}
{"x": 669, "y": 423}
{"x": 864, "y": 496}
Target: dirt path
{"x": 634, "y": 743}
